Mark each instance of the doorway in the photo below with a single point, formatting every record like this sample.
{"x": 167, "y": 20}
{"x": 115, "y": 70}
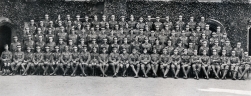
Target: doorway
{"x": 5, "y": 37}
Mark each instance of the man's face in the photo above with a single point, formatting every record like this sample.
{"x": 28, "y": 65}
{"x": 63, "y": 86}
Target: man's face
{"x": 207, "y": 28}
{"x": 141, "y": 20}
{"x": 180, "y": 18}
{"x": 6, "y": 47}
{"x": 246, "y": 54}
{"x": 205, "y": 44}
{"x": 185, "y": 51}
{"x": 216, "y": 43}
{"x": 146, "y": 40}
{"x": 122, "y": 19}
{"x": 68, "y": 17}
{"x": 131, "y": 18}
{"x": 164, "y": 51}
{"x": 32, "y": 22}
{"x": 46, "y": 17}
{"x": 169, "y": 43}
{"x": 167, "y": 19}
{"x": 154, "y": 51}
{"x": 124, "y": 51}
{"x": 86, "y": 19}
{"x": 149, "y": 18}
{"x": 70, "y": 43}
{"x": 38, "y": 49}
{"x": 79, "y": 26}
{"x": 104, "y": 18}
{"x": 214, "y": 52}
{"x": 227, "y": 43}
{"x": 204, "y": 52}
{"x": 157, "y": 19}
{"x": 238, "y": 45}
{"x": 157, "y": 41}
{"x": 202, "y": 19}
{"x": 195, "y": 52}
{"x": 66, "y": 48}
{"x": 96, "y": 18}
{"x": 157, "y": 28}
{"x": 40, "y": 39}
{"x": 191, "y": 19}
{"x": 85, "y": 49}
{"x": 60, "y": 41}
{"x": 47, "y": 50}
{"x": 116, "y": 27}
{"x": 57, "y": 49}
{"x": 115, "y": 50}
{"x": 60, "y": 24}
{"x": 125, "y": 40}
{"x": 223, "y": 52}
{"x": 105, "y": 41}
{"x": 187, "y": 28}
{"x": 145, "y": 51}
{"x": 50, "y": 40}
{"x": 75, "y": 49}
{"x": 176, "y": 52}
{"x": 218, "y": 29}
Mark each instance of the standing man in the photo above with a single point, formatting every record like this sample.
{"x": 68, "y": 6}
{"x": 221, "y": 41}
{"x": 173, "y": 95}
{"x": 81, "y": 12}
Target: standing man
{"x": 13, "y": 45}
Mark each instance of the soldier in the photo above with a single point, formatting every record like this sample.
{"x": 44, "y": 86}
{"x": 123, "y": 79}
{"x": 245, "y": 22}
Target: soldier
{"x": 79, "y": 29}
{"x": 145, "y": 59}
{"x": 61, "y": 45}
{"x": 126, "y": 29}
{"x": 110, "y": 38}
{"x": 102, "y": 35}
{"x": 49, "y": 34}
{"x": 75, "y": 60}
{"x": 51, "y": 26}
{"x": 73, "y": 36}
{"x": 103, "y": 22}
{"x": 30, "y": 43}
{"x": 165, "y": 61}
{"x": 207, "y": 32}
{"x": 152, "y": 37}
{"x": 124, "y": 61}
{"x": 159, "y": 47}
{"x": 116, "y": 30}
{"x": 215, "y": 63}
{"x": 85, "y": 58}
{"x": 168, "y": 23}
{"x": 104, "y": 44}
{"x": 146, "y": 45}
{"x": 115, "y": 43}
{"x": 56, "y": 61}
{"x": 140, "y": 24}
{"x": 238, "y": 50}
{"x": 194, "y": 39}
{"x": 158, "y": 23}
{"x": 58, "y": 19}
{"x": 198, "y": 32}
{"x": 203, "y": 39}
{"x": 94, "y": 62}
{"x": 169, "y": 48}
{"x": 14, "y": 44}
{"x": 62, "y": 34}
{"x": 114, "y": 60}
{"x": 77, "y": 21}
{"x": 202, "y": 23}
{"x": 184, "y": 39}
{"x": 134, "y": 62}
{"x": 155, "y": 62}
{"x": 121, "y": 36}
{"x": 112, "y": 22}
{"x": 185, "y": 63}
{"x": 70, "y": 46}
{"x": 6, "y": 58}
{"x": 97, "y": 29}
{"x": 225, "y": 64}
{"x": 136, "y": 45}
{"x": 42, "y": 27}
{"x": 173, "y": 38}
{"x": 132, "y": 23}
{"x": 196, "y": 64}
{"x": 228, "y": 48}
{"x": 217, "y": 47}
{"x": 131, "y": 36}
{"x": 175, "y": 63}
{"x": 27, "y": 63}
{"x": 166, "y": 30}
{"x": 163, "y": 38}
{"x": 157, "y": 30}
{"x": 149, "y": 23}
{"x": 58, "y": 28}
{"x": 46, "y": 20}
{"x": 93, "y": 44}
{"x": 204, "y": 47}
{"x": 187, "y": 31}
{"x": 39, "y": 33}
{"x": 68, "y": 27}
{"x": 190, "y": 50}
{"x": 218, "y": 33}
{"x": 179, "y": 48}
{"x": 18, "y": 58}
{"x": 51, "y": 44}
{"x": 244, "y": 65}
{"x": 103, "y": 59}
{"x": 205, "y": 60}
{"x": 141, "y": 37}
{"x": 32, "y": 26}
{"x": 38, "y": 60}
{"x": 47, "y": 60}
{"x": 223, "y": 39}
{"x": 177, "y": 31}
{"x": 234, "y": 64}
{"x": 191, "y": 23}
{"x": 26, "y": 33}
{"x": 213, "y": 39}
{"x": 126, "y": 46}
{"x": 180, "y": 23}
{"x": 82, "y": 43}
{"x": 86, "y": 22}
{"x": 122, "y": 23}
{"x": 68, "y": 18}
{"x": 92, "y": 35}
{"x": 107, "y": 29}
{"x": 66, "y": 59}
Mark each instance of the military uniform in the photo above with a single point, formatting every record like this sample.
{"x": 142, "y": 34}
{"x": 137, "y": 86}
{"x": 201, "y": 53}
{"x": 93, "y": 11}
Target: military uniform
{"x": 47, "y": 60}
{"x": 112, "y": 24}
{"x": 134, "y": 62}
{"x": 196, "y": 64}
{"x": 73, "y": 37}
{"x": 6, "y": 58}
{"x": 191, "y": 23}
{"x": 103, "y": 59}
{"x": 202, "y": 23}
{"x": 147, "y": 46}
{"x": 56, "y": 61}
{"x": 114, "y": 60}
{"x": 62, "y": 35}
{"x": 205, "y": 60}
{"x": 145, "y": 62}
{"x": 38, "y": 60}
{"x": 124, "y": 61}
{"x": 13, "y": 45}
{"x": 234, "y": 65}
{"x": 175, "y": 63}
{"x": 122, "y": 24}
{"x": 165, "y": 61}
{"x": 155, "y": 62}
{"x": 169, "y": 49}
{"x": 239, "y": 52}
{"x": 185, "y": 63}
{"x": 162, "y": 38}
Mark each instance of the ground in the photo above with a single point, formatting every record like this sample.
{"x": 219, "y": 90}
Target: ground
{"x": 109, "y": 86}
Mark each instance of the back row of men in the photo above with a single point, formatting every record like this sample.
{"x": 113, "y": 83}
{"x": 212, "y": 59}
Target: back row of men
{"x": 50, "y": 63}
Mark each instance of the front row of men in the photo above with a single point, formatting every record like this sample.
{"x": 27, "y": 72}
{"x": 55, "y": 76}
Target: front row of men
{"x": 70, "y": 62}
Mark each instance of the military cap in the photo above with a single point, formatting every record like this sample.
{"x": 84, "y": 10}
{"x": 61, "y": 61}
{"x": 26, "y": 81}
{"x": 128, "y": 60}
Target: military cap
{"x": 190, "y": 43}
{"x": 62, "y": 27}
{"x": 69, "y": 21}
{"x": 95, "y": 16}
{"x": 41, "y": 21}
{"x": 79, "y": 24}
{"x": 166, "y": 25}
{"x": 169, "y": 41}
{"x": 157, "y": 17}
{"x": 207, "y": 25}
{"x": 78, "y": 16}
{"x": 102, "y": 28}
{"x": 175, "y": 50}
{"x": 167, "y": 17}
{"x": 82, "y": 39}
{"x": 86, "y": 17}
{"x": 46, "y": 47}
{"x": 38, "y": 47}
{"x": 115, "y": 38}
{"x": 104, "y": 39}
{"x": 122, "y": 16}
{"x": 214, "y": 50}
{"x": 59, "y": 21}
{"x": 140, "y": 17}
{"x": 124, "y": 49}
{"x": 114, "y": 48}
{"x": 146, "y": 38}
{"x": 203, "y": 34}
{"x": 223, "y": 50}
{"x": 204, "y": 50}
{"x": 103, "y": 48}
{"x": 107, "y": 24}
{"x": 84, "y": 46}
{"x": 60, "y": 39}
{"x": 224, "y": 33}
{"x": 227, "y": 41}
{"x": 131, "y": 16}
{"x": 40, "y": 36}
{"x": 28, "y": 48}
{"x": 233, "y": 51}
{"x": 216, "y": 41}
{"x": 75, "y": 47}
{"x": 32, "y": 20}
{"x": 56, "y": 47}
{"x": 50, "y": 37}
{"x": 93, "y": 39}
{"x": 245, "y": 52}
{"x": 141, "y": 29}
{"x": 149, "y": 16}
{"x": 116, "y": 25}
{"x": 202, "y": 17}
{"x": 187, "y": 26}
{"x": 51, "y": 22}
{"x": 18, "y": 46}
{"x": 195, "y": 50}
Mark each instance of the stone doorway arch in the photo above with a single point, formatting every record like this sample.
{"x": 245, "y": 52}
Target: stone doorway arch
{"x": 214, "y": 24}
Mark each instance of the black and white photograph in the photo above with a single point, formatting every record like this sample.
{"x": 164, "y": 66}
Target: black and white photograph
{"x": 125, "y": 47}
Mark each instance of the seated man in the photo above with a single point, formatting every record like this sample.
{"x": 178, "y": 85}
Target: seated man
{"x": 56, "y": 61}
{"x": 225, "y": 64}
{"x": 134, "y": 62}
{"x": 47, "y": 60}
{"x": 85, "y": 58}
{"x": 234, "y": 64}
{"x": 114, "y": 59}
{"x": 165, "y": 61}
{"x": 215, "y": 63}
{"x": 124, "y": 62}
{"x": 196, "y": 64}
{"x": 94, "y": 62}
{"x": 66, "y": 60}
{"x": 75, "y": 60}
{"x": 155, "y": 62}
{"x": 18, "y": 58}
{"x": 185, "y": 63}
{"x": 175, "y": 63}
{"x": 38, "y": 60}
{"x": 103, "y": 59}
{"x": 245, "y": 65}
{"x": 6, "y": 57}
{"x": 205, "y": 63}
{"x": 145, "y": 59}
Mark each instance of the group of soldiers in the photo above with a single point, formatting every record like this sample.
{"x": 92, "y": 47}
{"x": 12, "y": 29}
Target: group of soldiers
{"x": 84, "y": 47}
